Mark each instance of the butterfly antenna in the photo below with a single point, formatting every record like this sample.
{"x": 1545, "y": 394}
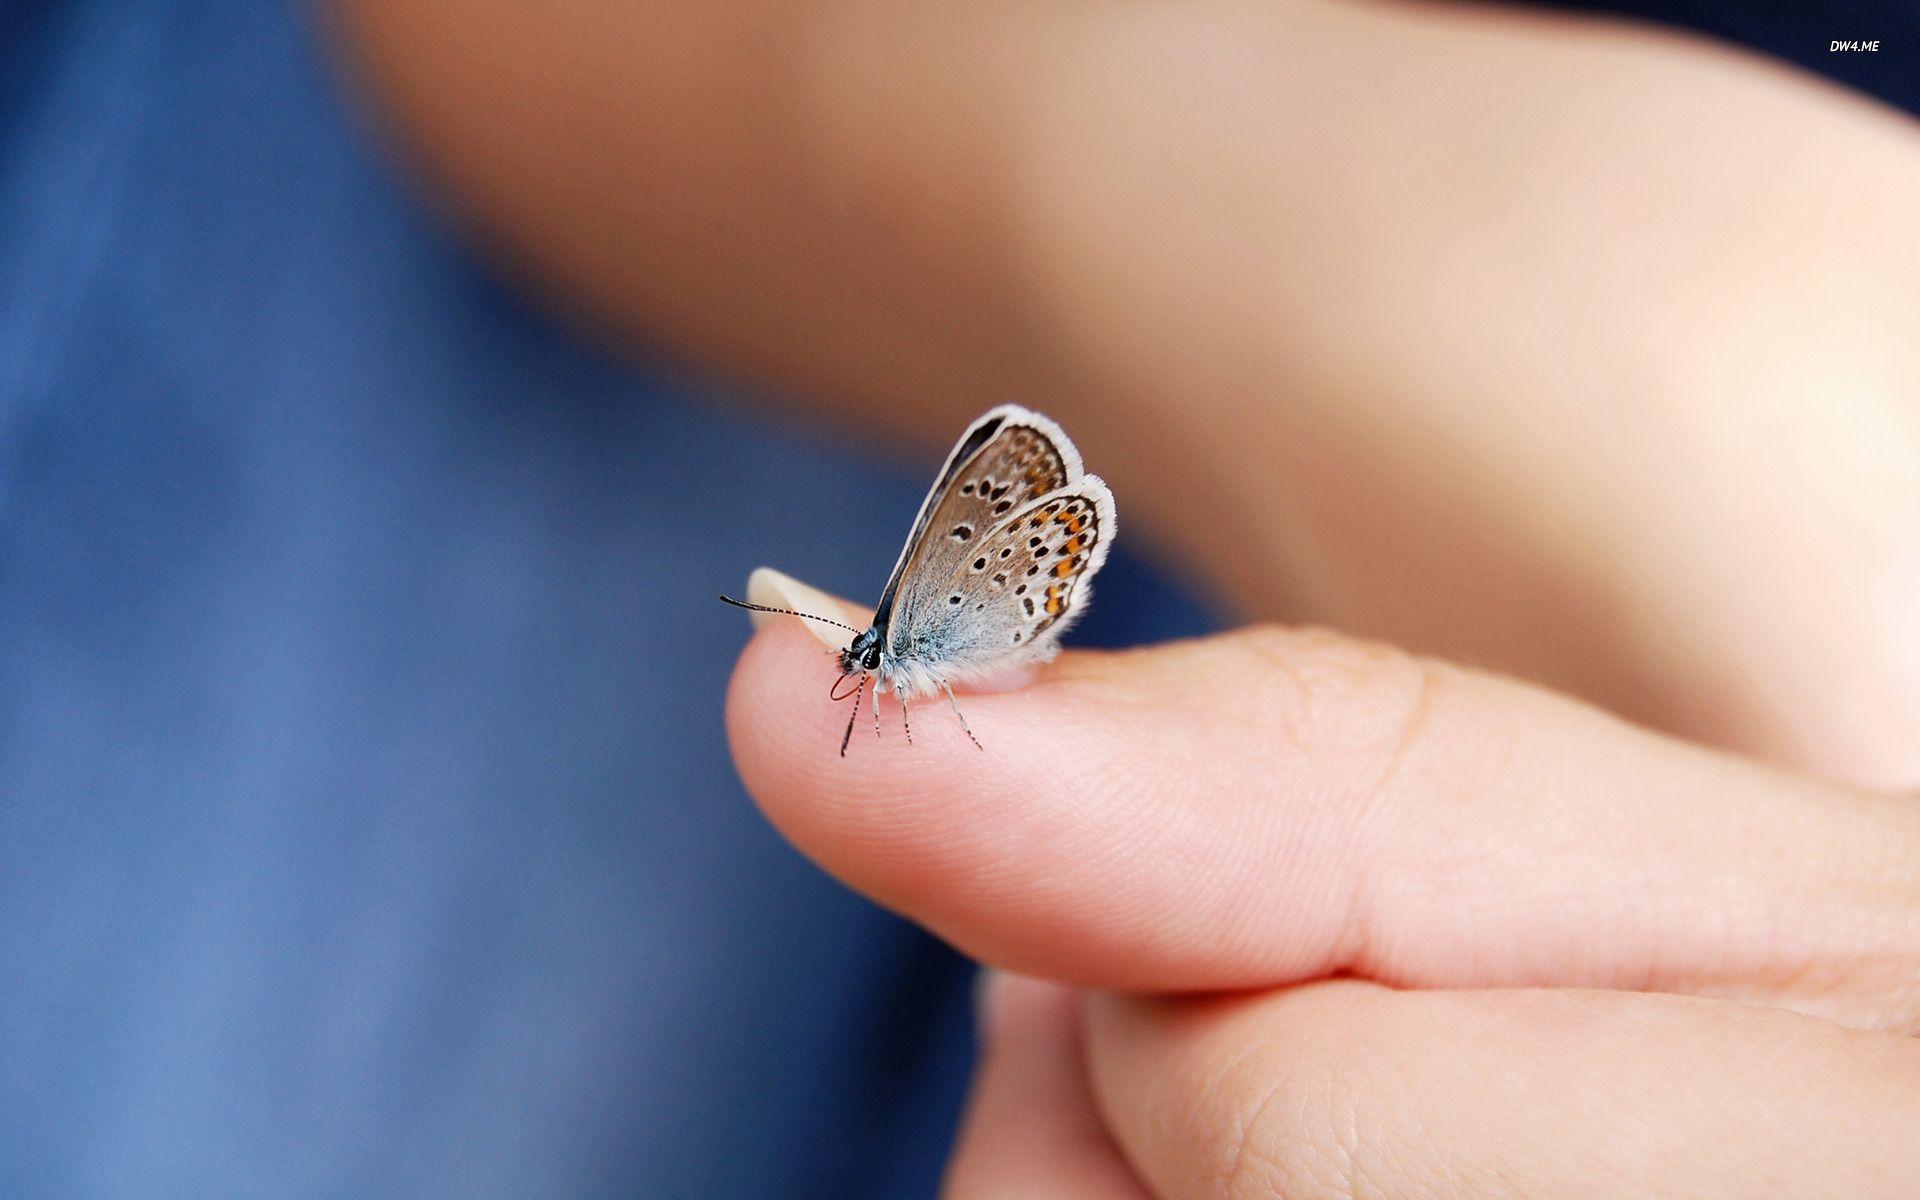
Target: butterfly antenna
{"x": 963, "y": 720}
{"x": 788, "y": 612}
{"x": 855, "y": 715}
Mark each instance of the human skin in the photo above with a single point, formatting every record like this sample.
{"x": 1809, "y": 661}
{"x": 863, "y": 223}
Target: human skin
{"x": 1575, "y": 349}
{"x": 1379, "y": 927}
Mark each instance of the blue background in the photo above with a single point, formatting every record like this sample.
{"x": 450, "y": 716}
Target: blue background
{"x": 366, "y": 822}
{"x": 366, "y": 826}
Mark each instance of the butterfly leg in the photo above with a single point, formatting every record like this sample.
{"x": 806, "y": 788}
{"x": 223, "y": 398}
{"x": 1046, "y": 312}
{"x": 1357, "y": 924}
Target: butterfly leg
{"x": 855, "y": 715}
{"x": 905, "y": 722}
{"x": 963, "y": 720}
{"x": 877, "y": 689}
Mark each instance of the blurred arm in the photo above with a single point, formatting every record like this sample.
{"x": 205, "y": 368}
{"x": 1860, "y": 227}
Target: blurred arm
{"x": 1574, "y": 349}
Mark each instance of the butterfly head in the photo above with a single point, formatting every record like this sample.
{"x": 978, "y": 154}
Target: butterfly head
{"x": 864, "y": 655}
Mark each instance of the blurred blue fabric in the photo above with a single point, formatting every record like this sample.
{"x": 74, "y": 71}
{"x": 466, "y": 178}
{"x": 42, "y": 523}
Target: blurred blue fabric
{"x": 366, "y": 823}
{"x": 366, "y": 826}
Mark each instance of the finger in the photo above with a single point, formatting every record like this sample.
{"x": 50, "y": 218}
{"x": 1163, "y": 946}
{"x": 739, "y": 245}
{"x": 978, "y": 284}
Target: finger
{"x": 1272, "y": 806}
{"x": 1031, "y": 1131}
{"x": 1350, "y": 1089}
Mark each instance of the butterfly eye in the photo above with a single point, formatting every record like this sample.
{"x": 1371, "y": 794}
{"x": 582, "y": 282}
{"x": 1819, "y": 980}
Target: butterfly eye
{"x": 871, "y": 660}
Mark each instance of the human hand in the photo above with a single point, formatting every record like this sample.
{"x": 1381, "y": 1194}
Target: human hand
{"x": 1362, "y": 923}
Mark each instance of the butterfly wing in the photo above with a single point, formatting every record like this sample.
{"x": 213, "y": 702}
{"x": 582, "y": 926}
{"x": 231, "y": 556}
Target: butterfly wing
{"x": 1012, "y": 596}
{"x": 1007, "y": 458}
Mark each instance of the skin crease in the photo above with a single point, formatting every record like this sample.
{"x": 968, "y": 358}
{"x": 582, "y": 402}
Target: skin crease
{"x": 1577, "y": 349}
{"x": 1164, "y": 1074}
{"x": 1349, "y": 1089}
{"x": 1780, "y": 917}
{"x": 1364, "y": 813}
{"x": 1574, "y": 349}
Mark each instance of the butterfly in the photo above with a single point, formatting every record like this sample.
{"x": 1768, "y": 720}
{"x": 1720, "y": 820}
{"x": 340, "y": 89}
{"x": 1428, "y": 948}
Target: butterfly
{"x": 999, "y": 562}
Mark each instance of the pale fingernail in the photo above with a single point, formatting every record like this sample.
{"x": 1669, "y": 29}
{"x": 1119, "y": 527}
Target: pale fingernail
{"x": 984, "y": 981}
{"x": 775, "y": 589}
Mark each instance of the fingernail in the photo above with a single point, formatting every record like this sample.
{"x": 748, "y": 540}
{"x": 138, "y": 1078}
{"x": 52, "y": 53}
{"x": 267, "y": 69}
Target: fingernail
{"x": 778, "y": 590}
{"x": 983, "y": 985}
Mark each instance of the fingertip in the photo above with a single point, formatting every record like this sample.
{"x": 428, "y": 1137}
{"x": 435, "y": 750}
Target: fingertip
{"x": 790, "y": 657}
{"x": 1015, "y": 1009}
{"x": 844, "y": 810}
{"x": 778, "y": 662}
{"x": 961, "y": 838}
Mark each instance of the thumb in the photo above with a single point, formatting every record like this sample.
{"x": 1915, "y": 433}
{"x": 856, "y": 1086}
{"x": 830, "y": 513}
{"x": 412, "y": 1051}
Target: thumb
{"x": 1276, "y": 805}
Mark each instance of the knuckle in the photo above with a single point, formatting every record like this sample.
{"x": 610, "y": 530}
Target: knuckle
{"x": 1352, "y": 705}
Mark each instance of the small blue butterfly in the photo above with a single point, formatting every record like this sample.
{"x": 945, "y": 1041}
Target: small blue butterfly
{"x": 999, "y": 563}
